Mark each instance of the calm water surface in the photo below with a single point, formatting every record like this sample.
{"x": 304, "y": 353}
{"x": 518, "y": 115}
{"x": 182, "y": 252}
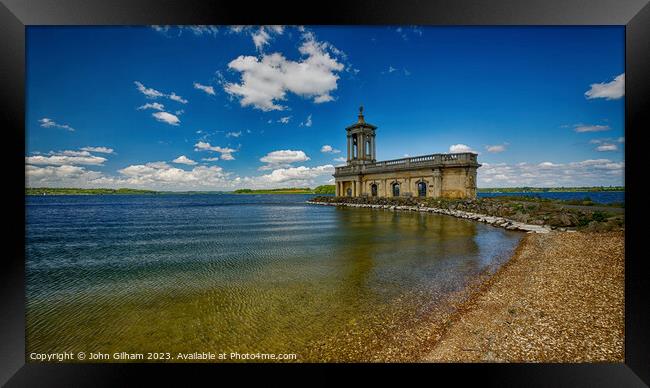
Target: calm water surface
{"x": 246, "y": 273}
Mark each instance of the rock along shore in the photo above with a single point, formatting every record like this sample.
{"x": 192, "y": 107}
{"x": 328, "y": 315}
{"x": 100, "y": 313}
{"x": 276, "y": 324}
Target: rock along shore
{"x": 491, "y": 220}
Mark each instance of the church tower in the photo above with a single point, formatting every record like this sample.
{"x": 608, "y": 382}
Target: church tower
{"x": 361, "y": 142}
{"x": 433, "y": 175}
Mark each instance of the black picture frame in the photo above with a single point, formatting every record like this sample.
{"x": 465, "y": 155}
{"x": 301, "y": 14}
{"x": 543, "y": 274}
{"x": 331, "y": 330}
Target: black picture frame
{"x": 15, "y": 15}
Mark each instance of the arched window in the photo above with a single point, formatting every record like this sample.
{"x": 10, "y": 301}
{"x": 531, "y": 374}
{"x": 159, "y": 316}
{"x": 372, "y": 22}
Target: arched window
{"x": 373, "y": 189}
{"x": 349, "y": 192}
{"x": 368, "y": 148}
{"x": 422, "y": 189}
{"x": 355, "y": 147}
{"x": 395, "y": 189}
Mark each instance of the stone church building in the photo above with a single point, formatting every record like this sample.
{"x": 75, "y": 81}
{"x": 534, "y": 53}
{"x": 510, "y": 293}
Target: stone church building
{"x": 435, "y": 175}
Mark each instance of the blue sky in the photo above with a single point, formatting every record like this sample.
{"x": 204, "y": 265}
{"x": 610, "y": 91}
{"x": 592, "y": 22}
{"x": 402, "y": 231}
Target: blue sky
{"x": 222, "y": 107}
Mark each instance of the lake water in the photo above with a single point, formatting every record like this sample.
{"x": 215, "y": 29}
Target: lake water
{"x": 247, "y": 273}
{"x": 604, "y": 197}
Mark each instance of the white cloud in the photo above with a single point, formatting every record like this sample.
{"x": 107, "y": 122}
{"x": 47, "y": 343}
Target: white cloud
{"x": 148, "y": 92}
{"x": 197, "y": 30}
{"x": 282, "y": 158}
{"x": 610, "y": 140}
{"x": 261, "y": 35}
{"x": 49, "y": 123}
{"x": 267, "y": 80}
{"x": 296, "y": 175}
{"x": 155, "y": 175}
{"x": 590, "y": 128}
{"x": 59, "y": 176}
{"x": 237, "y": 29}
{"x": 233, "y": 134}
{"x": 340, "y": 160}
{"x": 166, "y": 117}
{"x": 307, "y": 122}
{"x": 62, "y": 168}
{"x": 591, "y": 172}
{"x": 102, "y": 150}
{"x": 225, "y": 153}
{"x": 496, "y": 148}
{"x": 205, "y": 88}
{"x": 328, "y": 149}
{"x": 460, "y": 148}
{"x": 154, "y": 105}
{"x": 391, "y": 69}
{"x": 71, "y": 158}
{"x": 404, "y": 32}
{"x": 173, "y": 96}
{"x": 214, "y": 159}
{"x": 260, "y": 38}
{"x": 184, "y": 160}
{"x": 608, "y": 90}
{"x": 160, "y": 28}
{"x": 153, "y": 93}
{"x": 323, "y": 98}
{"x": 284, "y": 120}
{"x": 202, "y": 29}
{"x": 161, "y": 175}
{"x": 607, "y": 147}
{"x": 70, "y": 153}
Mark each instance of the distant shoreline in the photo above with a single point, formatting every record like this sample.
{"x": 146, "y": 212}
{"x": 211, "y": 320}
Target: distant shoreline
{"x": 40, "y": 191}
{"x": 325, "y": 189}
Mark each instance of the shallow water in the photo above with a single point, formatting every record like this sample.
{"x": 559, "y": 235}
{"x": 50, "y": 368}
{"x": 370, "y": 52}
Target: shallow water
{"x": 246, "y": 273}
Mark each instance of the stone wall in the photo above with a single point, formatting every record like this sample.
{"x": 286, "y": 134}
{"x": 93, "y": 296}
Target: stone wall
{"x": 452, "y": 182}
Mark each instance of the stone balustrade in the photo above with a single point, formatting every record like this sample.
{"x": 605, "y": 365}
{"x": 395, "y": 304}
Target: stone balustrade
{"x": 424, "y": 161}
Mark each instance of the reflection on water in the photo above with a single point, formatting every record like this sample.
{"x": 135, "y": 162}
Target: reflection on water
{"x": 225, "y": 273}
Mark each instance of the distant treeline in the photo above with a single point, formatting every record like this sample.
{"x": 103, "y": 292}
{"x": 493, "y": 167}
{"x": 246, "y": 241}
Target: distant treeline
{"x": 549, "y": 189}
{"x": 324, "y": 189}
{"x": 77, "y": 191}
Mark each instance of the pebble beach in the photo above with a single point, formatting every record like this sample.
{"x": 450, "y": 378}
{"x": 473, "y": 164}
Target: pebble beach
{"x": 559, "y": 299}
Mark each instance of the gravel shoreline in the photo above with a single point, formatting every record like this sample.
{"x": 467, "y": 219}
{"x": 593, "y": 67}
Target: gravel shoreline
{"x": 492, "y": 220}
{"x": 560, "y": 298}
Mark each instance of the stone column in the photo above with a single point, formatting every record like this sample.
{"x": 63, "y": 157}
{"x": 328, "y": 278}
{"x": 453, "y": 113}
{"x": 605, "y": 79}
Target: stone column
{"x": 437, "y": 183}
{"x": 372, "y": 147}
{"x": 361, "y": 148}
{"x": 349, "y": 148}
